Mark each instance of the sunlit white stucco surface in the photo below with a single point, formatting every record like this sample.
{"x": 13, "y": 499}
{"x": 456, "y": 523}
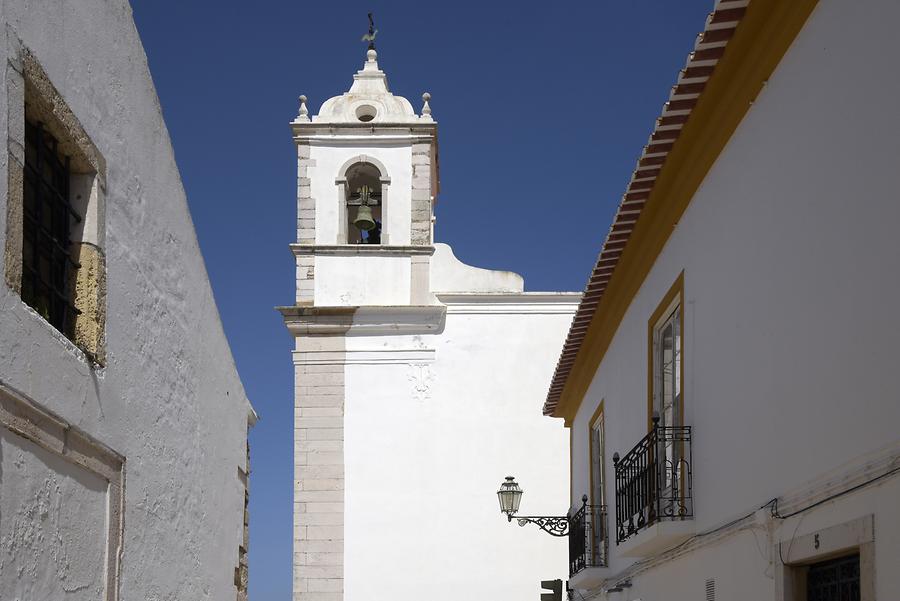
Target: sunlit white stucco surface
{"x": 789, "y": 251}
{"x": 168, "y": 399}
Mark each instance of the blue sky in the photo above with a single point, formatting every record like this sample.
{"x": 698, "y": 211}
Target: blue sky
{"x": 542, "y": 108}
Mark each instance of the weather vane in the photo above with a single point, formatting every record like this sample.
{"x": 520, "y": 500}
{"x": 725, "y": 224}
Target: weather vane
{"x": 370, "y": 37}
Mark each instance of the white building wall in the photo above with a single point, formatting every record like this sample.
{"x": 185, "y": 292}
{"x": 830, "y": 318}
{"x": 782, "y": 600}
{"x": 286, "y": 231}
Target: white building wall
{"x": 402, "y": 438}
{"x": 54, "y": 516}
{"x": 169, "y": 399}
{"x": 354, "y": 281}
{"x": 432, "y": 425}
{"x": 789, "y": 251}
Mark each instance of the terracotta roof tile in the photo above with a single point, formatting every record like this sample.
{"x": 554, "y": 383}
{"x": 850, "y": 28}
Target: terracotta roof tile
{"x": 708, "y": 49}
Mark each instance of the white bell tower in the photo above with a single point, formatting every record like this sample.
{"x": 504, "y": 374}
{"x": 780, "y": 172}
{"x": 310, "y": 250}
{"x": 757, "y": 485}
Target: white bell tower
{"x": 365, "y": 152}
{"x": 367, "y": 181}
{"x": 418, "y": 379}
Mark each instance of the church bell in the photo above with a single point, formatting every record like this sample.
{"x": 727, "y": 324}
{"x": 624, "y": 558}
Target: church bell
{"x": 364, "y": 220}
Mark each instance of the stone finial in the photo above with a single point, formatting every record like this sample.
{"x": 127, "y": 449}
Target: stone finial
{"x": 426, "y": 108}
{"x": 371, "y": 64}
{"x": 304, "y": 112}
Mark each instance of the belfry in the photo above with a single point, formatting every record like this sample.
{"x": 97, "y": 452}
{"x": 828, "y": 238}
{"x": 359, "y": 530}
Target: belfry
{"x": 418, "y": 379}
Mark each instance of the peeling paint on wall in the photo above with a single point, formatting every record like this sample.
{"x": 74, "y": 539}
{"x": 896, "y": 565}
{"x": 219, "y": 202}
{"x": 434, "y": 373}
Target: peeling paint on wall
{"x": 52, "y": 525}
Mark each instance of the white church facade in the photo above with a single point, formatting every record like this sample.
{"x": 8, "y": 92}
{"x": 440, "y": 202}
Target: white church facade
{"x": 418, "y": 379}
{"x": 729, "y": 381}
{"x": 123, "y": 421}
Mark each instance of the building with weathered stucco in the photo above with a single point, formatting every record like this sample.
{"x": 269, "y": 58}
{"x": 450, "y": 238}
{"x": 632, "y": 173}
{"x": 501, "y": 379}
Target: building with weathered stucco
{"x": 729, "y": 380}
{"x": 418, "y": 378}
{"x": 123, "y": 422}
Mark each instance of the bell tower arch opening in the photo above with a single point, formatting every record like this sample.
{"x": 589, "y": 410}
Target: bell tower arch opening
{"x": 362, "y": 196}
{"x": 364, "y": 204}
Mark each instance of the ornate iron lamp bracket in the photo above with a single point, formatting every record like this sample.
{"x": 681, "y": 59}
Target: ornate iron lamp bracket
{"x": 551, "y": 524}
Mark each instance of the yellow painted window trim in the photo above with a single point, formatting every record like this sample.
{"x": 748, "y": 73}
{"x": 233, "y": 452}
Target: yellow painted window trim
{"x": 598, "y": 414}
{"x": 676, "y": 291}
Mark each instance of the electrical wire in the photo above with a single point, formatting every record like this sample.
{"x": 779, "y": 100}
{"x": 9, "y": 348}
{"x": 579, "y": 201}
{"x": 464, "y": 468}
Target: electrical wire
{"x": 791, "y": 543}
{"x": 707, "y": 533}
{"x": 778, "y": 515}
{"x": 773, "y": 504}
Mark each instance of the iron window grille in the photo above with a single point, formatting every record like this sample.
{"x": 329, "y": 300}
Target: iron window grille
{"x": 653, "y": 481}
{"x": 834, "y": 580}
{"x": 588, "y": 543}
{"x": 47, "y": 262}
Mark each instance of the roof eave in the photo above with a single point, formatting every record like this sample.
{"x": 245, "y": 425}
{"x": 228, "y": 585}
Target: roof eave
{"x": 669, "y": 171}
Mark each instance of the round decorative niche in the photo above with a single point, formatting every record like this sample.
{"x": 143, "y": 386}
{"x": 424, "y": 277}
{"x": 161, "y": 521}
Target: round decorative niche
{"x": 366, "y": 112}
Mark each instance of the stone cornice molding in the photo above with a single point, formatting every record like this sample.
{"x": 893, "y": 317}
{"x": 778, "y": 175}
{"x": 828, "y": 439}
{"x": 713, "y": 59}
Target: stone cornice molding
{"x": 365, "y": 357}
{"x": 364, "y": 321}
{"x": 427, "y": 128}
{"x": 521, "y": 303}
{"x": 339, "y": 133}
{"x": 352, "y": 250}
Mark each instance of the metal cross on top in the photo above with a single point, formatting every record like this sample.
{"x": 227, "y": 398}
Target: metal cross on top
{"x": 370, "y": 37}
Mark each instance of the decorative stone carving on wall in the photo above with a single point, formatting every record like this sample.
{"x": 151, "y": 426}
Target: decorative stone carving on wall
{"x": 421, "y": 378}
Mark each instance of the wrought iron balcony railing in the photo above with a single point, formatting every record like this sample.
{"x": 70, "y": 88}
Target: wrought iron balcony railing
{"x": 587, "y": 538}
{"x": 653, "y": 481}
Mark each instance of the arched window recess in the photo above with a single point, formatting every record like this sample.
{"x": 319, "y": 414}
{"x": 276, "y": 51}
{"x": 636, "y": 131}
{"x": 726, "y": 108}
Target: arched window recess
{"x": 364, "y": 211}
{"x": 363, "y": 204}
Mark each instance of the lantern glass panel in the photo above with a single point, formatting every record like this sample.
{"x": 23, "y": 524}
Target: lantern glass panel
{"x": 516, "y": 499}
{"x": 509, "y": 495}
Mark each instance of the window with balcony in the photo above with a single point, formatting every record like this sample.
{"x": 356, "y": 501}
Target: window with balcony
{"x": 650, "y": 487}
{"x": 598, "y": 541}
{"x": 587, "y": 528}
{"x": 667, "y": 401}
{"x": 653, "y": 480}
{"x": 588, "y": 540}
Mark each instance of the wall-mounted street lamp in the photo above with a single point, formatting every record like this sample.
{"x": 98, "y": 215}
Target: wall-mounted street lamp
{"x": 510, "y": 496}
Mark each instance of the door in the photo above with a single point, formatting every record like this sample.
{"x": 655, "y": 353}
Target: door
{"x": 668, "y": 405}
{"x": 597, "y": 519}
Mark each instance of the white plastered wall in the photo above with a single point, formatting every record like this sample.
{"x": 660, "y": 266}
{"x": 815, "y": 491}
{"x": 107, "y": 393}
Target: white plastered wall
{"x": 354, "y": 281}
{"x": 433, "y": 423}
{"x": 169, "y": 399}
{"x": 52, "y": 525}
{"x": 789, "y": 251}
